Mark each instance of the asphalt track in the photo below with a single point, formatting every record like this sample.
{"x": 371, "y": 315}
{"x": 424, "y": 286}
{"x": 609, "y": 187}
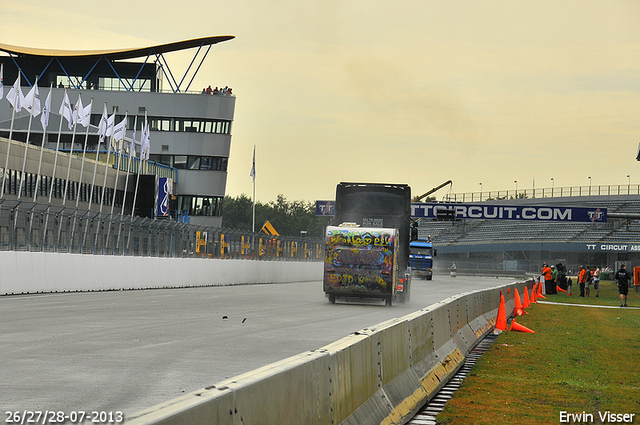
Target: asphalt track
{"x": 129, "y": 350}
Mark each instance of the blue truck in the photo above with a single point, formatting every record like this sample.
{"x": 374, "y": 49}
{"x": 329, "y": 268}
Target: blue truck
{"x": 421, "y": 255}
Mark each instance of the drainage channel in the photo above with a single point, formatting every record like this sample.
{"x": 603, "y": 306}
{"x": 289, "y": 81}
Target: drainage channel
{"x": 427, "y": 415}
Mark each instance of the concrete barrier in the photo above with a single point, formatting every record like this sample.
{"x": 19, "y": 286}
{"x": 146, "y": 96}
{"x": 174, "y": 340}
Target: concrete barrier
{"x": 37, "y": 272}
{"x": 379, "y": 375}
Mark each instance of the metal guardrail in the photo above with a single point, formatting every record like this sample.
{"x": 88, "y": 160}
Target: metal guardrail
{"x": 37, "y": 227}
{"x": 549, "y": 192}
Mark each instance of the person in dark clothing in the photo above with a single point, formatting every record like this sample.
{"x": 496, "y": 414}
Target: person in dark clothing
{"x": 623, "y": 277}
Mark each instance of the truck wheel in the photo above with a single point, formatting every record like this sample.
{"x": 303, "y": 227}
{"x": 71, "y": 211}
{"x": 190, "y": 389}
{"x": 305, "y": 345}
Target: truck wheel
{"x": 332, "y": 298}
{"x": 429, "y": 277}
{"x": 388, "y": 301}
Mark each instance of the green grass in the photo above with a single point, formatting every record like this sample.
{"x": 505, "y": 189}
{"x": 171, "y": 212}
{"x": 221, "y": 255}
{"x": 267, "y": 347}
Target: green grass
{"x": 580, "y": 359}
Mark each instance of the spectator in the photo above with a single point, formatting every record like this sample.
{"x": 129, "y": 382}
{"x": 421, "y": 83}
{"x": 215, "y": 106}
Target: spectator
{"x": 209, "y": 90}
{"x": 596, "y": 280}
{"x": 623, "y": 277}
{"x": 581, "y": 280}
{"x": 548, "y": 280}
{"x": 588, "y": 278}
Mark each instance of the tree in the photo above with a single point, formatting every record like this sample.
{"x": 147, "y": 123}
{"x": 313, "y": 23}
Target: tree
{"x": 288, "y": 218}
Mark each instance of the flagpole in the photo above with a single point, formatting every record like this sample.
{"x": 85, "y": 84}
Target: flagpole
{"x": 16, "y": 98}
{"x": 253, "y": 172}
{"x": 44, "y": 119}
{"x": 120, "y": 146}
{"x": 106, "y": 171}
{"x": 66, "y": 183}
{"x": 73, "y": 139}
{"x": 44, "y": 135}
{"x": 100, "y": 138}
{"x": 84, "y": 150}
{"x": 135, "y": 192}
{"x": 132, "y": 152}
{"x": 55, "y": 159}
{"x": 32, "y": 96}
{"x": 53, "y": 174}
{"x": 115, "y": 185}
{"x": 80, "y": 109}
{"x": 106, "y": 167}
{"x": 26, "y": 146}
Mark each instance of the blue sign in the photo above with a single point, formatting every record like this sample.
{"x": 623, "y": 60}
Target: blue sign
{"x": 487, "y": 211}
{"x": 327, "y": 208}
{"x": 164, "y": 190}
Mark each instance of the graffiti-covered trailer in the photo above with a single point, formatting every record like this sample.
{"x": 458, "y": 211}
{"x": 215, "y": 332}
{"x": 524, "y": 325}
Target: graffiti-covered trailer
{"x": 361, "y": 261}
{"x": 366, "y": 212}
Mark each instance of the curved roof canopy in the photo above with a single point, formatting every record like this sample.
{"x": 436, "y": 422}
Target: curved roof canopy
{"x": 74, "y": 62}
{"x": 116, "y": 54}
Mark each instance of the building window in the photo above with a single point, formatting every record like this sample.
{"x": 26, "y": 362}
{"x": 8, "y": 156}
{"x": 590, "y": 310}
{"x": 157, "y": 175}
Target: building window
{"x": 200, "y": 205}
{"x": 180, "y": 162}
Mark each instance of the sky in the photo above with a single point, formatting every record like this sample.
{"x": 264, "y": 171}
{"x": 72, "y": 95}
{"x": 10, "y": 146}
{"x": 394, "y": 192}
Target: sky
{"x": 483, "y": 93}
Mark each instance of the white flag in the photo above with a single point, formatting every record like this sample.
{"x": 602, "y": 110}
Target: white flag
{"x": 32, "y": 101}
{"x": 145, "y": 142}
{"x": 66, "y": 111}
{"x": 83, "y": 113}
{"x": 78, "y": 107}
{"x": 1, "y": 80}
{"x": 120, "y": 129}
{"x": 108, "y": 131}
{"x": 44, "y": 118}
{"x": 15, "y": 95}
{"x": 102, "y": 127}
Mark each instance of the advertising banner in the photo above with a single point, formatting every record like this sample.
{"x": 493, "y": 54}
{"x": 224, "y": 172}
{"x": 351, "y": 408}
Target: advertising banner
{"x": 165, "y": 185}
{"x": 486, "y": 211}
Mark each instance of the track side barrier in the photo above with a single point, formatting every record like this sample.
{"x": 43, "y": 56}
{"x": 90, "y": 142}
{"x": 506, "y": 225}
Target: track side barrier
{"x": 379, "y": 375}
{"x": 38, "y": 272}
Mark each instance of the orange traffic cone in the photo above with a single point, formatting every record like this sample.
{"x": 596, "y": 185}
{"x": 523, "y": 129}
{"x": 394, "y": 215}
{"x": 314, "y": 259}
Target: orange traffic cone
{"x": 525, "y": 299}
{"x": 533, "y": 294}
{"x": 559, "y": 289}
{"x": 520, "y": 328}
{"x": 501, "y": 321}
{"x": 517, "y": 310}
{"x": 539, "y": 294}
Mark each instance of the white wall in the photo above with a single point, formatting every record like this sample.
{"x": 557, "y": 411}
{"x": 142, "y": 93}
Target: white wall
{"x": 34, "y": 272}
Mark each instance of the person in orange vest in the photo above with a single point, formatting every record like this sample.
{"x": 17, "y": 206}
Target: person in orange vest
{"x": 596, "y": 280}
{"x": 582, "y": 280}
{"x": 548, "y": 280}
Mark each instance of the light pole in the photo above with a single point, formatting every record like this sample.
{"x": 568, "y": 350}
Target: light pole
{"x": 629, "y": 177}
{"x": 552, "y": 186}
{"x": 480, "y": 190}
{"x": 589, "y": 185}
{"x": 516, "y": 182}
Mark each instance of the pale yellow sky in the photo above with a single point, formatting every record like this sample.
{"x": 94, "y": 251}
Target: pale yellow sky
{"x": 414, "y": 92}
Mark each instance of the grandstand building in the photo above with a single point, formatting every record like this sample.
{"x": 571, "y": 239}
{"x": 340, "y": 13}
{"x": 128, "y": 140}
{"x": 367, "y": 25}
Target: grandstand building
{"x": 190, "y": 130}
{"x": 515, "y": 245}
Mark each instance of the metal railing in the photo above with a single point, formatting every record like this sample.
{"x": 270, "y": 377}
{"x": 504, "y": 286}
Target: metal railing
{"x": 37, "y": 227}
{"x": 549, "y": 192}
